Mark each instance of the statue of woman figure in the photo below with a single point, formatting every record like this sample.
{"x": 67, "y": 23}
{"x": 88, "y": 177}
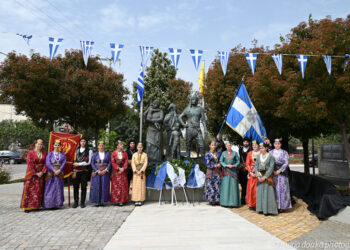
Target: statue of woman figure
{"x": 154, "y": 117}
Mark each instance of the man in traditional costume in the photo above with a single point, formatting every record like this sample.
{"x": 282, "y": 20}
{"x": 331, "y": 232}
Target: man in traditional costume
{"x": 55, "y": 163}
{"x": 130, "y": 151}
{"x": 265, "y": 193}
{"x": 280, "y": 177}
{"x": 33, "y": 188}
{"x": 119, "y": 175}
{"x": 252, "y": 180}
{"x": 100, "y": 182}
{"x": 242, "y": 172}
{"x": 229, "y": 194}
{"x": 81, "y": 172}
{"x": 139, "y": 164}
{"x": 213, "y": 176}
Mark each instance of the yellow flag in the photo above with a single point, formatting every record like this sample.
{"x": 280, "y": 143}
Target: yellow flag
{"x": 201, "y": 79}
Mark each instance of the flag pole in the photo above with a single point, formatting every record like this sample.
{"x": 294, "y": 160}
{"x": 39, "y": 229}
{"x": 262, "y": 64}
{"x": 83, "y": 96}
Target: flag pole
{"x": 141, "y": 106}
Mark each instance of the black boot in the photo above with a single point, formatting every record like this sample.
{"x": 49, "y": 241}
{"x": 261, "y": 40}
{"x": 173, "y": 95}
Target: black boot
{"x": 75, "y": 205}
{"x": 82, "y": 205}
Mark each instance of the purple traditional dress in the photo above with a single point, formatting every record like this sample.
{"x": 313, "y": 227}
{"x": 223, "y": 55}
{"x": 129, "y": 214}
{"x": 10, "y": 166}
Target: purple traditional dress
{"x": 53, "y": 194}
{"x": 281, "y": 181}
{"x": 100, "y": 184}
{"x": 213, "y": 178}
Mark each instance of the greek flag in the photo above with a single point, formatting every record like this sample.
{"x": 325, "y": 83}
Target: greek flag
{"x": 278, "y": 61}
{"x": 251, "y": 58}
{"x": 116, "y": 49}
{"x": 346, "y": 61}
{"x": 223, "y": 57}
{"x": 146, "y": 52}
{"x": 86, "y": 48}
{"x": 53, "y": 46}
{"x": 26, "y": 37}
{"x": 243, "y": 118}
{"x": 175, "y": 56}
{"x": 196, "y": 57}
{"x": 302, "y": 59}
{"x": 140, "y": 87}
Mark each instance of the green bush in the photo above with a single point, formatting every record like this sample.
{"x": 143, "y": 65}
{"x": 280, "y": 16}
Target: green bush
{"x": 4, "y": 176}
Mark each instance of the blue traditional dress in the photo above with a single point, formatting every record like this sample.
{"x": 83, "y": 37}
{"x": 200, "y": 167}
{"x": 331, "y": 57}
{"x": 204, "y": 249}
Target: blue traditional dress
{"x": 281, "y": 181}
{"x": 229, "y": 193}
{"x": 53, "y": 194}
{"x": 213, "y": 178}
{"x": 100, "y": 184}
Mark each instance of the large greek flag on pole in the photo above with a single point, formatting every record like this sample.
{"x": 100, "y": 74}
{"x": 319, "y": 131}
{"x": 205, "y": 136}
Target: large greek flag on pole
{"x": 243, "y": 118}
{"x": 53, "y": 46}
{"x": 140, "y": 87}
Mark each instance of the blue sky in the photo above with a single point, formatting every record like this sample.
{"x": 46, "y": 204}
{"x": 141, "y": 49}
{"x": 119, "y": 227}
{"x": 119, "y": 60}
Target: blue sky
{"x": 210, "y": 25}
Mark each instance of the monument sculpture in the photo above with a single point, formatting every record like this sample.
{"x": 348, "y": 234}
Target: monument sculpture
{"x": 195, "y": 116}
{"x": 173, "y": 125}
{"x": 154, "y": 117}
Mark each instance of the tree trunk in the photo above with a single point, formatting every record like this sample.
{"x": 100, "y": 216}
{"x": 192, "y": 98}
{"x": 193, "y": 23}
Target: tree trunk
{"x": 346, "y": 147}
{"x": 96, "y": 136}
{"x": 306, "y": 156}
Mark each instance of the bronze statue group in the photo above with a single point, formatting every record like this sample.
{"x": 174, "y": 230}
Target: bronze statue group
{"x": 262, "y": 172}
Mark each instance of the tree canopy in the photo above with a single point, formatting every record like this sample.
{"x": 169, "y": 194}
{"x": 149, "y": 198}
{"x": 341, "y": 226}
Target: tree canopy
{"x": 63, "y": 89}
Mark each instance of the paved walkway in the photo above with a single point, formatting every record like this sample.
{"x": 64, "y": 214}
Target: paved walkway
{"x": 190, "y": 227}
{"x": 288, "y": 225}
{"x": 65, "y": 228}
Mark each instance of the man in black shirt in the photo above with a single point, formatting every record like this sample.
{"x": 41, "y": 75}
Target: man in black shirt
{"x": 243, "y": 173}
{"x": 130, "y": 151}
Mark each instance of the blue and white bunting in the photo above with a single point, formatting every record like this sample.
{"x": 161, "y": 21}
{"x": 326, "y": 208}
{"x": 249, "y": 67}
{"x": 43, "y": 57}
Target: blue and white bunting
{"x": 223, "y": 57}
{"x": 302, "y": 59}
{"x": 25, "y": 37}
{"x": 146, "y": 52}
{"x": 251, "y": 59}
{"x": 328, "y": 62}
{"x": 196, "y": 57}
{"x": 140, "y": 87}
{"x": 54, "y": 43}
{"x": 86, "y": 48}
{"x": 116, "y": 49}
{"x": 346, "y": 61}
{"x": 175, "y": 56}
{"x": 278, "y": 59}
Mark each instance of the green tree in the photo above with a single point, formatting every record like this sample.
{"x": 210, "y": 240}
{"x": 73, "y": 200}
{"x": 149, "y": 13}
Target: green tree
{"x": 160, "y": 83}
{"x": 126, "y": 125}
{"x": 63, "y": 89}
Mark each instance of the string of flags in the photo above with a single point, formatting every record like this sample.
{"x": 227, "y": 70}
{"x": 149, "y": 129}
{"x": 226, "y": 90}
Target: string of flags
{"x": 223, "y": 56}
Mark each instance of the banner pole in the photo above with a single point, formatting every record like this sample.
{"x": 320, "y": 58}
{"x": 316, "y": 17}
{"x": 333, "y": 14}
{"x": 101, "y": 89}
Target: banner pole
{"x": 141, "y": 106}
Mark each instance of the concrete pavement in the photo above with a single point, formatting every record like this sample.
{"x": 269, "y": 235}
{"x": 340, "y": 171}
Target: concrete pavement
{"x": 190, "y": 227}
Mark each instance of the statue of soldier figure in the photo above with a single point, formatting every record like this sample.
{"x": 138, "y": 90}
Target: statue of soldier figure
{"x": 173, "y": 125}
{"x": 195, "y": 115}
{"x": 154, "y": 117}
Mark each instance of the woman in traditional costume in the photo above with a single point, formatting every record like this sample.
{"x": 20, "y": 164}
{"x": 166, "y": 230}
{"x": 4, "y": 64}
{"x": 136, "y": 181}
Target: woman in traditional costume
{"x": 265, "y": 193}
{"x": 34, "y": 179}
{"x": 280, "y": 177}
{"x": 139, "y": 164}
{"x": 213, "y": 175}
{"x": 229, "y": 194}
{"x": 119, "y": 175}
{"x": 252, "y": 180}
{"x": 100, "y": 181}
{"x": 55, "y": 163}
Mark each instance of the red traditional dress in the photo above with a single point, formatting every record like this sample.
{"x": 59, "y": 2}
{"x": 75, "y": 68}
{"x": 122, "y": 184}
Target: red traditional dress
{"x": 119, "y": 181}
{"x": 252, "y": 181}
{"x": 33, "y": 185}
